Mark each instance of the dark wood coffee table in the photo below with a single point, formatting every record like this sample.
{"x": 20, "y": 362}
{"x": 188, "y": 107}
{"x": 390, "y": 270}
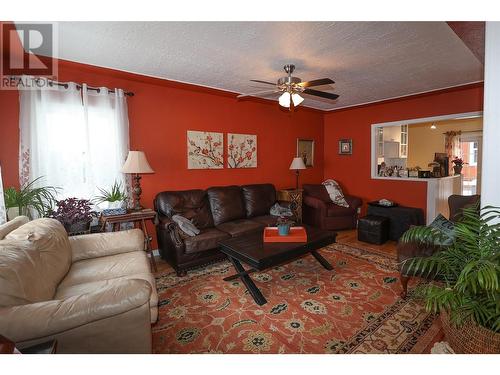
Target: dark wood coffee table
{"x": 252, "y": 250}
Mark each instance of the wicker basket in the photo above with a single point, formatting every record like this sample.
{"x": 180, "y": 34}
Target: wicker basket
{"x": 470, "y": 338}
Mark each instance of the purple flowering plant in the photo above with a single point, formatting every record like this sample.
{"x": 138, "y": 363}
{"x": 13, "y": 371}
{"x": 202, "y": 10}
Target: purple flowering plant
{"x": 73, "y": 210}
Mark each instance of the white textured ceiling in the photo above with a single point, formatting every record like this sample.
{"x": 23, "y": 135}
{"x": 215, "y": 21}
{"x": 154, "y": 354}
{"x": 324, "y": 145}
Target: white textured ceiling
{"x": 369, "y": 61}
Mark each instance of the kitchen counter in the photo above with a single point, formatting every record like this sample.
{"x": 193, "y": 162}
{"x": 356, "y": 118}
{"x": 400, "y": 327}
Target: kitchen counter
{"x": 438, "y": 191}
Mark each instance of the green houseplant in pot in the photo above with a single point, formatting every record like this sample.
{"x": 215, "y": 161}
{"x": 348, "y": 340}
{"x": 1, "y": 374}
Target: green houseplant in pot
{"x": 30, "y": 199}
{"x": 112, "y": 201}
{"x": 74, "y": 214}
{"x": 466, "y": 288}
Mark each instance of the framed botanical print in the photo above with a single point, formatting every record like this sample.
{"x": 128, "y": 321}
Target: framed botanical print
{"x": 204, "y": 150}
{"x": 305, "y": 150}
{"x": 241, "y": 151}
{"x": 345, "y": 146}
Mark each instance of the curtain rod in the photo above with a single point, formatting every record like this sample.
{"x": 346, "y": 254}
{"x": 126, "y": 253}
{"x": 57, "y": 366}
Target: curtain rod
{"x": 78, "y": 86}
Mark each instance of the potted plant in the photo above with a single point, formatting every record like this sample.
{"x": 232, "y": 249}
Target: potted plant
{"x": 459, "y": 164}
{"x": 75, "y": 214}
{"x": 30, "y": 199}
{"x": 113, "y": 201}
{"x": 283, "y": 225}
{"x": 467, "y": 272}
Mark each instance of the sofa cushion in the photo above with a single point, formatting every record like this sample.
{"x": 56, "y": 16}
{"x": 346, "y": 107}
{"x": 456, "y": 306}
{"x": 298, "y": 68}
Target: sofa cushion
{"x": 333, "y": 210}
{"x": 258, "y": 198}
{"x": 192, "y": 204}
{"x": 66, "y": 291}
{"x": 9, "y": 226}
{"x": 51, "y": 240}
{"x": 238, "y": 227}
{"x": 226, "y": 203}
{"x": 20, "y": 279}
{"x": 208, "y": 239}
{"x": 267, "y": 220}
{"x": 317, "y": 191}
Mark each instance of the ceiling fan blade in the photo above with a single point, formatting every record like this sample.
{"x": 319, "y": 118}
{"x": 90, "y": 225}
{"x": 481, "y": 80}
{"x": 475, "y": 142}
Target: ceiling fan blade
{"x": 316, "y": 82}
{"x": 267, "y": 83}
{"x": 257, "y": 93}
{"x": 327, "y": 95}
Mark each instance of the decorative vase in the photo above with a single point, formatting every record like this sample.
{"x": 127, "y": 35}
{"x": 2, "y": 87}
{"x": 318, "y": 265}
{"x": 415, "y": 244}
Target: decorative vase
{"x": 284, "y": 229}
{"x": 470, "y": 338}
{"x": 80, "y": 227}
{"x": 457, "y": 169}
{"x": 12, "y": 212}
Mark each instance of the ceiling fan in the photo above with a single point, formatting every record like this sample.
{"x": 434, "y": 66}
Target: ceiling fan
{"x": 291, "y": 87}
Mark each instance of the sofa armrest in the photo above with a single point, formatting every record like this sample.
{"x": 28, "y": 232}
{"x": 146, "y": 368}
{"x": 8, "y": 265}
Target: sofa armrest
{"x": 166, "y": 223}
{"x": 96, "y": 245}
{"x": 354, "y": 202}
{"x": 314, "y": 202}
{"x": 48, "y": 318}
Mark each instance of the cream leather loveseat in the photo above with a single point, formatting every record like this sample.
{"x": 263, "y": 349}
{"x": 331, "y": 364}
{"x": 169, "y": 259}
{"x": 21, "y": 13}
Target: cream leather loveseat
{"x": 92, "y": 293}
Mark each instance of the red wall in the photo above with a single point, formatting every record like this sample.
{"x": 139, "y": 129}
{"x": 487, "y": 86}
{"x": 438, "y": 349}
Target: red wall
{"x": 161, "y": 112}
{"x": 354, "y": 172}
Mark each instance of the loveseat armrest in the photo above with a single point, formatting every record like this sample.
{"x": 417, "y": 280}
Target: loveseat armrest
{"x": 97, "y": 245}
{"x": 49, "y": 318}
{"x": 354, "y": 202}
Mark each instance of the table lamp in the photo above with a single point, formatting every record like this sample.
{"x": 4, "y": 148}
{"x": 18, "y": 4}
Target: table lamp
{"x": 297, "y": 164}
{"x": 136, "y": 164}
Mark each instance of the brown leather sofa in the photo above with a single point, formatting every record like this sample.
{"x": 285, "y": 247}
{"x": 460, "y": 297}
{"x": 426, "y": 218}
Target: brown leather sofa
{"x": 219, "y": 213}
{"x": 92, "y": 293}
{"x": 456, "y": 204}
{"x": 321, "y": 212}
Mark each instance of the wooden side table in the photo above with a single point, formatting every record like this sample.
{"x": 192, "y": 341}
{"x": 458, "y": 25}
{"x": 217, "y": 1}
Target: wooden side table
{"x": 139, "y": 219}
{"x": 294, "y": 196}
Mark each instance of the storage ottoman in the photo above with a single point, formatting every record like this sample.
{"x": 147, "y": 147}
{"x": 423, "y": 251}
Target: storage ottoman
{"x": 373, "y": 229}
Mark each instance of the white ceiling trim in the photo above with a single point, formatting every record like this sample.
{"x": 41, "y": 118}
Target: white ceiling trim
{"x": 404, "y": 96}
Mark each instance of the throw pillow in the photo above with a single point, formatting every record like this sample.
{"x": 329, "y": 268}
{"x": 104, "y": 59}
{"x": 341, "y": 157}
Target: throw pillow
{"x": 446, "y": 227}
{"x": 335, "y": 192}
{"x": 278, "y": 210}
{"x": 186, "y": 225}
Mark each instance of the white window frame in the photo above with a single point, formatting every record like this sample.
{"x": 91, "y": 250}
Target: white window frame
{"x": 373, "y": 153}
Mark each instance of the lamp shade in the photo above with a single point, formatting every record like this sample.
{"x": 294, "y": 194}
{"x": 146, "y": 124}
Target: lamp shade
{"x": 297, "y": 163}
{"x": 136, "y": 163}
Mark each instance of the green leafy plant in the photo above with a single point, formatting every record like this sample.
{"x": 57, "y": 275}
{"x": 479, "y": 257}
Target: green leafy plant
{"x": 467, "y": 271}
{"x": 29, "y": 197}
{"x": 115, "y": 194}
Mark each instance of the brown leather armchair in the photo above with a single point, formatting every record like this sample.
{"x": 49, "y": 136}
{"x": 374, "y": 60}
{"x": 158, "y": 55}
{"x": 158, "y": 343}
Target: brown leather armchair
{"x": 456, "y": 204}
{"x": 319, "y": 210}
{"x": 218, "y": 212}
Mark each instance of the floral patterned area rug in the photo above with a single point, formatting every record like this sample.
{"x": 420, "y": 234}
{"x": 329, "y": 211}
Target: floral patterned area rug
{"x": 355, "y": 308}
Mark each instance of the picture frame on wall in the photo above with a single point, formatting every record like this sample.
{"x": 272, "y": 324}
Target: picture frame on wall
{"x": 305, "y": 150}
{"x": 345, "y": 146}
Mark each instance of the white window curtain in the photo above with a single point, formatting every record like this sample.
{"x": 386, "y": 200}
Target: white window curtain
{"x": 3, "y": 211}
{"x": 77, "y": 139}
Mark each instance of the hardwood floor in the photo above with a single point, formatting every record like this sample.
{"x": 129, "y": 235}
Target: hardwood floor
{"x": 347, "y": 237}
{"x": 350, "y": 237}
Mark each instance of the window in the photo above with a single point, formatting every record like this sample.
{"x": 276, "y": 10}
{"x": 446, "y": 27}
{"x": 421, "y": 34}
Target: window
{"x": 403, "y": 145}
{"x": 473, "y": 149}
{"x": 380, "y": 142}
{"x": 77, "y": 139}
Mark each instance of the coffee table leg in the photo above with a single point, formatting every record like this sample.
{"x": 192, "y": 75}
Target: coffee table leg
{"x": 251, "y": 287}
{"x": 322, "y": 260}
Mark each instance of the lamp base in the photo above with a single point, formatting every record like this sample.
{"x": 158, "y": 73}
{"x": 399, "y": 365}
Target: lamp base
{"x": 297, "y": 179}
{"x": 137, "y": 193}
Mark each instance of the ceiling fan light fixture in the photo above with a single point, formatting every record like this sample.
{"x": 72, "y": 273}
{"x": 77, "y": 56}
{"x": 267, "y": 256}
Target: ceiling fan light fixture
{"x": 284, "y": 99}
{"x": 297, "y": 99}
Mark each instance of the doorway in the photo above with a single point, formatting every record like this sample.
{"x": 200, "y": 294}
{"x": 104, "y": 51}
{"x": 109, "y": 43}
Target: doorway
{"x": 471, "y": 150}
